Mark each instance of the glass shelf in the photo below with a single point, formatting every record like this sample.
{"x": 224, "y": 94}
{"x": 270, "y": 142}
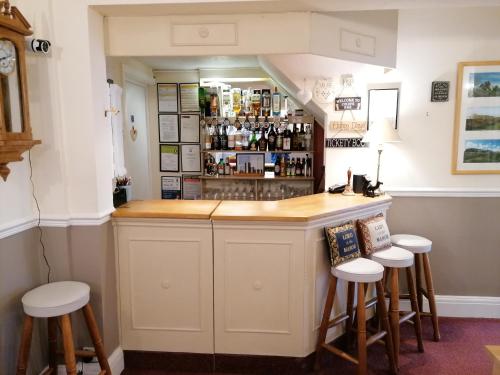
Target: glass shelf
{"x": 237, "y": 177}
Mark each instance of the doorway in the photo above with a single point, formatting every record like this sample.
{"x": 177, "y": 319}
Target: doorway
{"x": 136, "y": 140}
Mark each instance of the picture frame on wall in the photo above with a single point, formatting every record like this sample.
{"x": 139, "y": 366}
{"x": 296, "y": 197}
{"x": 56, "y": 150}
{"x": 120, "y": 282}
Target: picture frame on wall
{"x": 191, "y": 158}
{"x": 190, "y": 128}
{"x": 168, "y": 127}
{"x": 171, "y": 187}
{"x": 167, "y": 97}
{"x": 476, "y": 143}
{"x": 189, "y": 97}
{"x": 169, "y": 158}
{"x": 383, "y": 102}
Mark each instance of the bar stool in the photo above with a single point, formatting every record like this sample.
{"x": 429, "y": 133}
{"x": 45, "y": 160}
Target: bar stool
{"x": 393, "y": 259}
{"x": 361, "y": 271}
{"x": 56, "y": 301}
{"x": 421, "y": 247}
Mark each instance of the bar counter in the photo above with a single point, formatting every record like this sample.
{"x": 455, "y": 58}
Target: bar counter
{"x": 235, "y": 277}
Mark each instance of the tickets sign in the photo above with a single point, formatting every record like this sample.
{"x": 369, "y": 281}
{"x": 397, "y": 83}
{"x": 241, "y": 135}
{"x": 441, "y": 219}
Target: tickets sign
{"x": 344, "y": 143}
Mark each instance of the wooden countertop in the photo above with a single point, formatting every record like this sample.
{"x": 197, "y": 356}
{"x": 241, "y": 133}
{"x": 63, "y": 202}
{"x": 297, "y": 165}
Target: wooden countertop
{"x": 167, "y": 209}
{"x": 299, "y": 209}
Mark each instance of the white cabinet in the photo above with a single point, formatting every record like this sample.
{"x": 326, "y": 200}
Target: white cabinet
{"x": 165, "y": 284}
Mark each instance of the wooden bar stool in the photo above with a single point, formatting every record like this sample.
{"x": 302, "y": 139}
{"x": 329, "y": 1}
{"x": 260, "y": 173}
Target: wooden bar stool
{"x": 361, "y": 271}
{"x": 393, "y": 259}
{"x": 56, "y": 301}
{"x": 421, "y": 247}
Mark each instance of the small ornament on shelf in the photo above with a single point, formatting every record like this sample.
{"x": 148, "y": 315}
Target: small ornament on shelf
{"x": 348, "y": 188}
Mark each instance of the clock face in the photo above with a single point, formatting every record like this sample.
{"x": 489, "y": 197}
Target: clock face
{"x": 7, "y": 56}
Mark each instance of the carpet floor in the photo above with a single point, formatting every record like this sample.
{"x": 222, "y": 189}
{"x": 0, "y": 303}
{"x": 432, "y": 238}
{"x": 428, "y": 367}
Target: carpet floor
{"x": 461, "y": 351}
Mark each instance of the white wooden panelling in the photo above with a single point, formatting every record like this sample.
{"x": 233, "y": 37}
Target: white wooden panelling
{"x": 357, "y": 43}
{"x": 205, "y": 34}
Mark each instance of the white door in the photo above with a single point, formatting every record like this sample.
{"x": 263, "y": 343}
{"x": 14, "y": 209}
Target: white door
{"x": 136, "y": 143}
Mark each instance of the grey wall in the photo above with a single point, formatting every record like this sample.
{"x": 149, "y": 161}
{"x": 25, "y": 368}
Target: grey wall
{"x": 465, "y": 232}
{"x": 82, "y": 253}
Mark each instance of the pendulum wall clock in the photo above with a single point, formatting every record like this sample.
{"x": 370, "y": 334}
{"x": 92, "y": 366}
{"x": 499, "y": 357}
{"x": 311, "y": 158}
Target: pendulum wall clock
{"x": 15, "y": 129}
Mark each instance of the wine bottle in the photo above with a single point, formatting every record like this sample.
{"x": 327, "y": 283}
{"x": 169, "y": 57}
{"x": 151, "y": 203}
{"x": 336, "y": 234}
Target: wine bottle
{"x": 224, "y": 138}
{"x": 253, "y": 142}
{"x": 287, "y": 140}
{"x": 271, "y": 139}
{"x": 282, "y": 166}
{"x": 263, "y": 140}
{"x": 277, "y": 166}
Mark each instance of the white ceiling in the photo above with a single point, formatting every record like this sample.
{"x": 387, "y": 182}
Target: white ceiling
{"x": 200, "y": 62}
{"x": 177, "y": 7}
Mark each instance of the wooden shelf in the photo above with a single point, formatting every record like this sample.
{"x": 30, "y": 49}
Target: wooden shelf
{"x": 238, "y": 177}
{"x": 306, "y": 119}
{"x": 254, "y": 152}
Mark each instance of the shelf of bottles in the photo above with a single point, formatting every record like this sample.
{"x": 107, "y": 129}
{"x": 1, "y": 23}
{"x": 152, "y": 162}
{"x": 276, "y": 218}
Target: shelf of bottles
{"x": 259, "y": 127}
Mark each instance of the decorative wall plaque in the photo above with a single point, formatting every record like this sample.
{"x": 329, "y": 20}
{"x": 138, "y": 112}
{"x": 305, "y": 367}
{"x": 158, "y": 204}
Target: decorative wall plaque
{"x": 440, "y": 91}
{"x": 348, "y": 103}
{"x": 344, "y": 143}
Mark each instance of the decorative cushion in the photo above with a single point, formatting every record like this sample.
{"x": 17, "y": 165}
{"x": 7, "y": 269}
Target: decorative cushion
{"x": 343, "y": 243}
{"x": 374, "y": 234}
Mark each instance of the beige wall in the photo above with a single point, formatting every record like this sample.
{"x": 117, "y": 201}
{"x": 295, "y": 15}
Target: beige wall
{"x": 466, "y": 240}
{"x": 81, "y": 253}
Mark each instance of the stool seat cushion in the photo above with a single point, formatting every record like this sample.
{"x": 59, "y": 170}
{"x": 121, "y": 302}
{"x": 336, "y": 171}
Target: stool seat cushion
{"x": 415, "y": 244}
{"x": 359, "y": 270}
{"x": 394, "y": 257}
{"x": 55, "y": 299}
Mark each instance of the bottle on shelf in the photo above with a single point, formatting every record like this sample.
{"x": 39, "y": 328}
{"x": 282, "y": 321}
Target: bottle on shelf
{"x": 298, "y": 168}
{"x": 214, "y": 104}
{"x": 302, "y": 137}
{"x": 266, "y": 102}
{"x": 287, "y": 140}
{"x": 277, "y": 166}
{"x": 307, "y": 139}
{"x": 227, "y": 99}
{"x": 208, "y": 137}
{"x": 252, "y": 144}
{"x": 245, "y": 134}
{"x": 236, "y": 94}
{"x": 224, "y": 138}
{"x": 271, "y": 139}
{"x": 308, "y": 166}
{"x": 256, "y": 102}
{"x": 263, "y": 140}
{"x": 231, "y": 138}
{"x": 295, "y": 138}
{"x": 247, "y": 102}
{"x": 220, "y": 167}
{"x": 279, "y": 139}
{"x": 282, "y": 166}
{"x": 238, "y": 136}
{"x": 227, "y": 167}
{"x": 276, "y": 103}
{"x": 215, "y": 135}
{"x": 292, "y": 167}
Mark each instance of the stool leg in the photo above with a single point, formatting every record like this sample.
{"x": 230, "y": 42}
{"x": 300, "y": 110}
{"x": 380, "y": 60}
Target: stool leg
{"x": 384, "y": 321}
{"x": 69, "y": 348}
{"x": 394, "y": 313}
{"x": 96, "y": 338}
{"x": 414, "y": 306}
{"x": 361, "y": 315}
{"x": 418, "y": 280}
{"x": 24, "y": 348}
{"x": 323, "y": 329}
{"x": 52, "y": 334}
{"x": 350, "y": 312}
{"x": 430, "y": 293}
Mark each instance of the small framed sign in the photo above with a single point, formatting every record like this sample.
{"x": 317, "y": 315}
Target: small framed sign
{"x": 344, "y": 143}
{"x": 348, "y": 103}
{"x": 171, "y": 187}
{"x": 440, "y": 91}
{"x": 169, "y": 158}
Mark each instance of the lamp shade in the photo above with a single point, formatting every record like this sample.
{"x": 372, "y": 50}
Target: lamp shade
{"x": 382, "y": 131}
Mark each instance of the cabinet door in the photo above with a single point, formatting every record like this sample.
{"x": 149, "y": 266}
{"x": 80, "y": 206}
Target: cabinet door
{"x": 165, "y": 280}
{"x": 258, "y": 281}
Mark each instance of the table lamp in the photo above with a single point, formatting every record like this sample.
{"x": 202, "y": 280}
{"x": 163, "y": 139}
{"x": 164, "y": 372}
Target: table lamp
{"x": 381, "y": 131}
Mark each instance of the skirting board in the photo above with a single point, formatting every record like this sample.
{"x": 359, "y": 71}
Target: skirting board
{"x": 462, "y": 306}
{"x": 115, "y": 360}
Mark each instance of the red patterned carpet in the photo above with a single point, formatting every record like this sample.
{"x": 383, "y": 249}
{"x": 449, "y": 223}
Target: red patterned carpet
{"x": 460, "y": 352}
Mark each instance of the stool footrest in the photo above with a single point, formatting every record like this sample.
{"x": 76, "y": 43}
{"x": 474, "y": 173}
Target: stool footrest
{"x": 49, "y": 371}
{"x": 338, "y": 320}
{"x": 371, "y": 303}
{"x": 340, "y": 353}
{"x": 81, "y": 353}
{"x": 374, "y": 338}
{"x": 407, "y": 316}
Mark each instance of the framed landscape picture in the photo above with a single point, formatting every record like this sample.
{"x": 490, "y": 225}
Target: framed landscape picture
{"x": 476, "y": 146}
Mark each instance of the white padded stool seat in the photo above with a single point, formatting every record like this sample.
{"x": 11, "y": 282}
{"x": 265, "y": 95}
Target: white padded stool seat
{"x": 415, "y": 244}
{"x": 55, "y": 299}
{"x": 359, "y": 270}
{"x": 394, "y": 257}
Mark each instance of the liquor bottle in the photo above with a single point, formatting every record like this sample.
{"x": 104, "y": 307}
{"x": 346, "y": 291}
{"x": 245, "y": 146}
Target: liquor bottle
{"x": 227, "y": 167}
{"x": 230, "y": 137}
{"x": 308, "y": 166}
{"x": 227, "y": 102}
{"x": 224, "y": 138}
{"x": 271, "y": 139}
{"x": 276, "y": 105}
{"x": 201, "y": 99}
{"x": 245, "y": 134}
{"x": 302, "y": 137}
{"x": 256, "y": 102}
{"x": 238, "y": 136}
{"x": 287, "y": 140}
{"x": 208, "y": 137}
{"x": 236, "y": 93}
{"x": 292, "y": 167}
{"x": 263, "y": 140}
{"x": 215, "y": 136}
{"x": 295, "y": 138}
{"x": 277, "y": 166}
{"x": 282, "y": 166}
{"x": 266, "y": 102}
{"x": 247, "y": 102}
{"x": 289, "y": 168}
{"x": 253, "y": 142}
{"x": 279, "y": 140}
{"x": 298, "y": 168}
{"x": 214, "y": 104}
{"x": 307, "y": 139}
{"x": 220, "y": 167}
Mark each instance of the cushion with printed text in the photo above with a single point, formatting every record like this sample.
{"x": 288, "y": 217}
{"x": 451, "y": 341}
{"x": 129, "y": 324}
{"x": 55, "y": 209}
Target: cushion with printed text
{"x": 373, "y": 234}
{"x": 343, "y": 243}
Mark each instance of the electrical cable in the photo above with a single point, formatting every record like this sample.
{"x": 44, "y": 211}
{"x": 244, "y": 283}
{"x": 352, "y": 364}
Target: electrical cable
{"x": 40, "y": 238}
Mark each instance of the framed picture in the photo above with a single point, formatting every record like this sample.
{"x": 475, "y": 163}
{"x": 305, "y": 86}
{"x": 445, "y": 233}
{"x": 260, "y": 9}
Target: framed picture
{"x": 383, "y": 103}
{"x": 168, "y": 128}
{"x": 169, "y": 158}
{"x": 167, "y": 97}
{"x": 191, "y": 187}
{"x": 250, "y": 164}
{"x": 190, "y": 128}
{"x": 190, "y": 154}
{"x": 189, "y": 97}
{"x": 476, "y": 145}
{"x": 171, "y": 187}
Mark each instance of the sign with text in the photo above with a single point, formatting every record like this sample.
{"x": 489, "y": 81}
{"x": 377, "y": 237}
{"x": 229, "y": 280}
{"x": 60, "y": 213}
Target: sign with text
{"x": 440, "y": 91}
{"x": 348, "y": 103}
{"x": 344, "y": 143}
{"x": 348, "y": 126}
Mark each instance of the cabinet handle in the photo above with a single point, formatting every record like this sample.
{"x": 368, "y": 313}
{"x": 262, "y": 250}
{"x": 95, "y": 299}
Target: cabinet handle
{"x": 257, "y": 285}
{"x": 165, "y": 284}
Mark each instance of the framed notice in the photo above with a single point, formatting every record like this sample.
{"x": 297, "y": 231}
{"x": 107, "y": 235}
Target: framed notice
{"x": 190, "y": 128}
{"x": 169, "y": 158}
{"x": 476, "y": 146}
{"x": 440, "y": 91}
{"x": 171, "y": 187}
{"x": 191, "y": 187}
{"x": 167, "y": 97}
{"x": 189, "y": 97}
{"x": 191, "y": 161}
{"x": 348, "y": 103}
{"x": 168, "y": 128}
